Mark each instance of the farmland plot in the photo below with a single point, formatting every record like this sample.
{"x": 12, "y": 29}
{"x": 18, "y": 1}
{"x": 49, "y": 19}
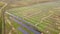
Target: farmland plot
{"x": 45, "y": 17}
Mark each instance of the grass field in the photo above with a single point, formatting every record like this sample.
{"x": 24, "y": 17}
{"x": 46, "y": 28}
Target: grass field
{"x": 45, "y": 16}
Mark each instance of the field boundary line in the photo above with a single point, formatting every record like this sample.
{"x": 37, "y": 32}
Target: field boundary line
{"x": 44, "y": 18}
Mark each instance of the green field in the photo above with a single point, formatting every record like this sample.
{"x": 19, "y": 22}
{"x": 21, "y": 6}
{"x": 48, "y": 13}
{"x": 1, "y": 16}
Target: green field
{"x": 45, "y": 17}
{"x": 15, "y": 25}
